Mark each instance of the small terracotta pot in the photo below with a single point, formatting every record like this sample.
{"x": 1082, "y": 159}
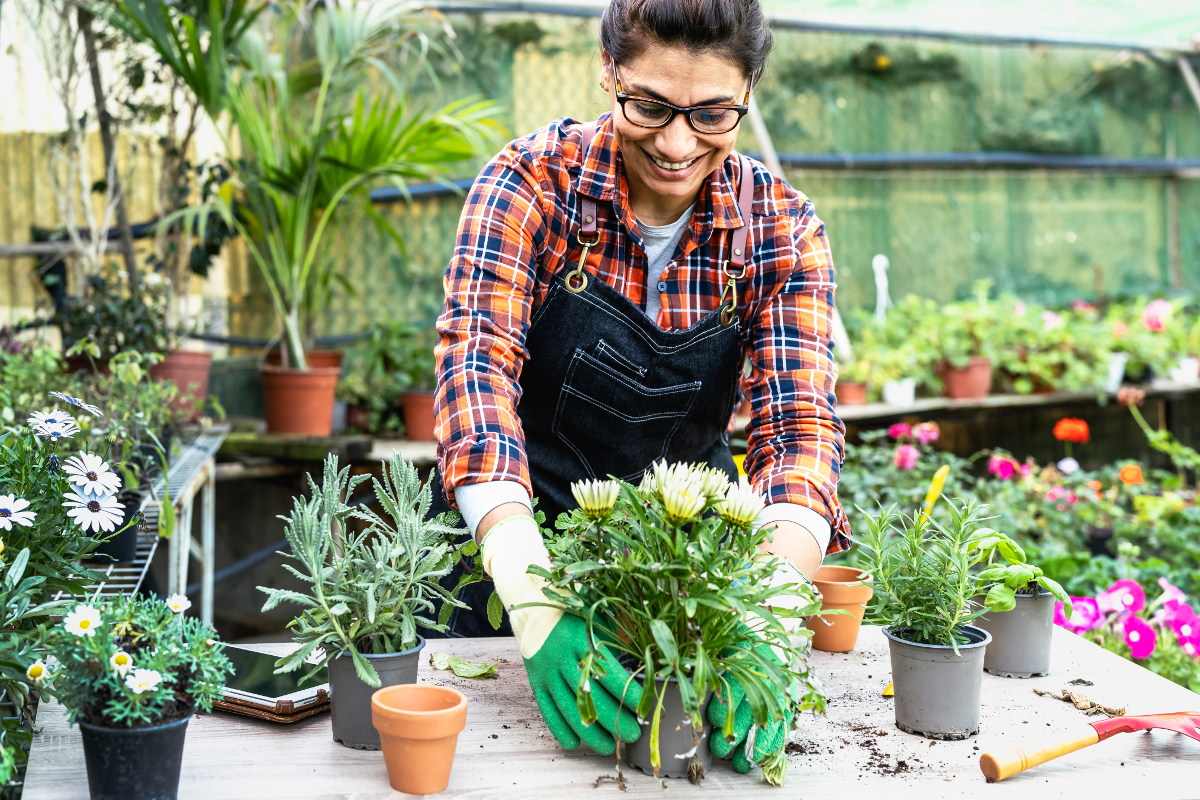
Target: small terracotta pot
{"x": 967, "y": 384}
{"x": 418, "y": 726}
{"x": 851, "y": 394}
{"x": 841, "y": 588}
{"x": 188, "y": 369}
{"x": 299, "y": 400}
{"x": 320, "y": 359}
{"x": 418, "y": 415}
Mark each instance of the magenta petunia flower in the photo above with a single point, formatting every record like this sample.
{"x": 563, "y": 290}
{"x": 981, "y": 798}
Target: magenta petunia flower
{"x": 927, "y": 432}
{"x": 1183, "y": 620}
{"x": 1085, "y": 617}
{"x": 1126, "y": 596}
{"x": 906, "y": 456}
{"x": 900, "y": 430}
{"x": 1002, "y": 468}
{"x": 1056, "y": 492}
{"x": 1155, "y": 315}
{"x": 1191, "y": 646}
{"x": 1026, "y": 470}
{"x": 1171, "y": 593}
{"x": 1139, "y": 636}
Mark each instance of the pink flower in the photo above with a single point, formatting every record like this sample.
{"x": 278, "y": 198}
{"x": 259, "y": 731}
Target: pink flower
{"x": 927, "y": 432}
{"x": 1055, "y": 493}
{"x": 1085, "y": 617}
{"x": 1050, "y": 321}
{"x": 1124, "y": 596}
{"x": 1082, "y": 305}
{"x": 1139, "y": 636}
{"x": 1002, "y": 468}
{"x": 1061, "y": 507}
{"x": 1171, "y": 594}
{"x": 1071, "y": 498}
{"x": 900, "y": 430}
{"x": 1191, "y": 646}
{"x": 906, "y": 456}
{"x": 1184, "y": 622}
{"x": 1155, "y": 315}
{"x": 1026, "y": 470}
{"x": 1019, "y": 308}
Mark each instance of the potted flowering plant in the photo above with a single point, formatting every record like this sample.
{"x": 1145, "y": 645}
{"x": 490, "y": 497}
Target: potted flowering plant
{"x": 669, "y": 575}
{"x": 968, "y": 350}
{"x": 131, "y": 674}
{"x": 369, "y": 590}
{"x": 1020, "y": 613}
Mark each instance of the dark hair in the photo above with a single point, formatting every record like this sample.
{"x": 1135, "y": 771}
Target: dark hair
{"x": 735, "y": 29}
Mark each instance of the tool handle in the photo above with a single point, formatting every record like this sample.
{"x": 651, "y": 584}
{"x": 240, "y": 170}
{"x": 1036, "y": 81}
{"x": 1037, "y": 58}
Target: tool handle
{"x": 1006, "y": 761}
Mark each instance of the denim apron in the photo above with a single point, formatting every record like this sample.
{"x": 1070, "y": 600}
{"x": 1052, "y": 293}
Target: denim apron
{"x": 606, "y": 392}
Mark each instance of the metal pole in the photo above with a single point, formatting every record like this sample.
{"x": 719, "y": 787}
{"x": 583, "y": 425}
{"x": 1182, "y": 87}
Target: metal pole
{"x": 207, "y": 543}
{"x": 764, "y": 139}
{"x": 1189, "y": 77}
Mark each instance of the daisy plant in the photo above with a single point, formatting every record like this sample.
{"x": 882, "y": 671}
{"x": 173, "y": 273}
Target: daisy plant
{"x": 670, "y": 576}
{"x": 132, "y": 663}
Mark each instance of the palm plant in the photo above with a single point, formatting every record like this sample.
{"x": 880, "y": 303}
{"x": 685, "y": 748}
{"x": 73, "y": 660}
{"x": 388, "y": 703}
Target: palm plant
{"x": 312, "y": 143}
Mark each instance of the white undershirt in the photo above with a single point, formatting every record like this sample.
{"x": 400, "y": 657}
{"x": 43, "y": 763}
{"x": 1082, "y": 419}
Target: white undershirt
{"x": 659, "y": 242}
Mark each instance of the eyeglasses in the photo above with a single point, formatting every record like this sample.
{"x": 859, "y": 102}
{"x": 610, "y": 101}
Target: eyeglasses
{"x": 646, "y": 113}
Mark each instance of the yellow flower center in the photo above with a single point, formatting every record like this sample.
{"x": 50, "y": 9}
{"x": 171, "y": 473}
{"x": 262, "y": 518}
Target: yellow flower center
{"x": 36, "y": 671}
{"x": 84, "y": 624}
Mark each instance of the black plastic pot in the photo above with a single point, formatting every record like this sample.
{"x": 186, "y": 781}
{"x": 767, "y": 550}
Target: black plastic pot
{"x": 1020, "y": 645}
{"x": 1099, "y": 539}
{"x": 134, "y": 763}
{"x": 676, "y": 741}
{"x": 123, "y": 545}
{"x": 350, "y": 698}
{"x": 937, "y": 691}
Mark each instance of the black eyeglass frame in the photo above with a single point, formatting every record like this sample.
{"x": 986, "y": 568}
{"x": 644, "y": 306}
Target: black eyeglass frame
{"x": 622, "y": 98}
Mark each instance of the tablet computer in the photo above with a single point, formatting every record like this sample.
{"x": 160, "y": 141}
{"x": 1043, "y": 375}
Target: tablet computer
{"x": 254, "y": 688}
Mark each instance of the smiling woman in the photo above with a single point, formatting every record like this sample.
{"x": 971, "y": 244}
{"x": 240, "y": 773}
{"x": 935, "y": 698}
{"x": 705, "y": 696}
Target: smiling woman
{"x": 610, "y": 281}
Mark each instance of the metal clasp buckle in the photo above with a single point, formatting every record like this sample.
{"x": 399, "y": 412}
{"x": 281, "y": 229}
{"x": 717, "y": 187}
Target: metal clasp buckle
{"x": 578, "y": 273}
{"x": 729, "y": 312}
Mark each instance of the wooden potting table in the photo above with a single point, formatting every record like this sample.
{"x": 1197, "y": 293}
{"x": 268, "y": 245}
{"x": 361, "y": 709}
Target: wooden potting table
{"x": 856, "y": 751}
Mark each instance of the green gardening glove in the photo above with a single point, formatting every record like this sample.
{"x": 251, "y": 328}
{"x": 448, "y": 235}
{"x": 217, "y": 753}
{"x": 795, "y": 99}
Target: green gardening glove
{"x": 553, "y": 644}
{"x": 766, "y": 741}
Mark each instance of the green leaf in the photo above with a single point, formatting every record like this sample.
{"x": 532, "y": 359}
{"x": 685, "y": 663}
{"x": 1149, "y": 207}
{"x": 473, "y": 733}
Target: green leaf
{"x": 665, "y": 641}
{"x": 495, "y": 611}
{"x": 1001, "y": 597}
{"x": 1059, "y": 593}
{"x": 463, "y": 668}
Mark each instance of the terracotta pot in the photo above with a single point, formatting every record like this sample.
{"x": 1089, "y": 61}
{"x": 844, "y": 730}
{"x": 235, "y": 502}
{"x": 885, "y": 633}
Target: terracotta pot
{"x": 319, "y": 359}
{"x": 418, "y": 726}
{"x": 967, "y": 384}
{"x": 842, "y": 589}
{"x": 851, "y": 394}
{"x": 188, "y": 369}
{"x": 418, "y": 415}
{"x": 299, "y": 400}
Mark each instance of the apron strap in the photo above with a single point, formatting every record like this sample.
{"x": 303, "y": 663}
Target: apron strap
{"x": 588, "y": 234}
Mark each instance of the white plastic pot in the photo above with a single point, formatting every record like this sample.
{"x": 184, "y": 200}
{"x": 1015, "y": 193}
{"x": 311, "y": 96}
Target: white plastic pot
{"x": 1186, "y": 371}
{"x": 900, "y": 393}
{"x": 1116, "y": 371}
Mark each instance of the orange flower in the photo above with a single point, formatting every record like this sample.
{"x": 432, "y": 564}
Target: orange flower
{"x": 1120, "y": 329}
{"x": 1131, "y": 475}
{"x": 1069, "y": 429}
{"x": 1095, "y": 487}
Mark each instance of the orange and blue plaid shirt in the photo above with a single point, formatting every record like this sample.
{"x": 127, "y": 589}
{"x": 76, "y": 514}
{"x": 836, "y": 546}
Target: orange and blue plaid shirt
{"x": 517, "y": 232}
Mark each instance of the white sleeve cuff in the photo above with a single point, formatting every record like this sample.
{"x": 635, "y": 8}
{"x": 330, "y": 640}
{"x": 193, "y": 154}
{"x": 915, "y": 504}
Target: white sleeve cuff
{"x": 812, "y": 522}
{"x": 475, "y": 500}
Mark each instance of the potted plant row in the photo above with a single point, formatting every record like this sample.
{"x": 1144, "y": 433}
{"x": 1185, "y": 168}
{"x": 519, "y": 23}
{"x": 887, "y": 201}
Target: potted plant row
{"x": 391, "y": 380}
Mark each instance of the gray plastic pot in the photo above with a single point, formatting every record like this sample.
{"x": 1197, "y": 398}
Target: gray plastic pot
{"x": 1020, "y": 645}
{"x": 937, "y": 692}
{"x": 350, "y": 698}
{"x": 674, "y": 737}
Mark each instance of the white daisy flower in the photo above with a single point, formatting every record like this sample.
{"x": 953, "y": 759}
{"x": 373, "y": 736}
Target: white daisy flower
{"x": 740, "y": 506}
{"x": 56, "y": 417}
{"x": 178, "y": 603}
{"x": 91, "y": 474}
{"x": 37, "y": 672}
{"x": 143, "y": 680}
{"x": 121, "y": 662}
{"x": 54, "y": 431}
{"x": 66, "y": 398}
{"x": 12, "y": 509}
{"x": 94, "y": 513}
{"x": 683, "y": 501}
{"x": 596, "y": 498}
{"x": 83, "y": 620}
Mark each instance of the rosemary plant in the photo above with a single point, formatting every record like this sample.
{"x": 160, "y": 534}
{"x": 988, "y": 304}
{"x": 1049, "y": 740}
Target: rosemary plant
{"x": 670, "y": 576}
{"x": 370, "y": 590}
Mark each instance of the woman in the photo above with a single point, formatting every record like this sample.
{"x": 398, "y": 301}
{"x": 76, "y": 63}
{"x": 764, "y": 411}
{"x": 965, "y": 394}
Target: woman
{"x": 609, "y": 282}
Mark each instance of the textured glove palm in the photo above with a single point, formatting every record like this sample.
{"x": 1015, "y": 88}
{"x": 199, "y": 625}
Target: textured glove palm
{"x": 768, "y": 740}
{"x": 553, "y": 644}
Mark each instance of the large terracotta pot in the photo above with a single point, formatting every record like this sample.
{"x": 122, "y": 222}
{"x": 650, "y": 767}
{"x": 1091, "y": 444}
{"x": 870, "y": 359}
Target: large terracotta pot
{"x": 418, "y": 415}
{"x": 188, "y": 369}
{"x": 299, "y": 400}
{"x": 851, "y": 394}
{"x": 971, "y": 383}
{"x": 418, "y": 726}
{"x": 318, "y": 359}
{"x": 841, "y": 589}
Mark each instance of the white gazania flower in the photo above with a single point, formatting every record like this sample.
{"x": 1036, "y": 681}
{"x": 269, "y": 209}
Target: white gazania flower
{"x": 39, "y": 418}
{"x": 683, "y": 502}
{"x": 647, "y": 488}
{"x": 178, "y": 603}
{"x": 94, "y": 513}
{"x": 121, "y": 662}
{"x": 596, "y": 498}
{"x": 143, "y": 680}
{"x": 676, "y": 477}
{"x": 37, "y": 672}
{"x": 83, "y": 620}
{"x": 12, "y": 509}
{"x": 740, "y": 506}
{"x": 55, "y": 431}
{"x": 66, "y": 398}
{"x": 714, "y": 482}
{"x": 91, "y": 474}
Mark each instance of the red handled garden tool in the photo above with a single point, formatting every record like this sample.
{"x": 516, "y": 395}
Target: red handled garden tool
{"x": 1000, "y": 764}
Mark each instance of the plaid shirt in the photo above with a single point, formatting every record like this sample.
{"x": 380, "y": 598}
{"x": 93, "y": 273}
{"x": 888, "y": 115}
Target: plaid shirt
{"x": 517, "y": 232}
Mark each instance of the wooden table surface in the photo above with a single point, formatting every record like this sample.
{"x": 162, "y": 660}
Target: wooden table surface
{"x": 856, "y": 751}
